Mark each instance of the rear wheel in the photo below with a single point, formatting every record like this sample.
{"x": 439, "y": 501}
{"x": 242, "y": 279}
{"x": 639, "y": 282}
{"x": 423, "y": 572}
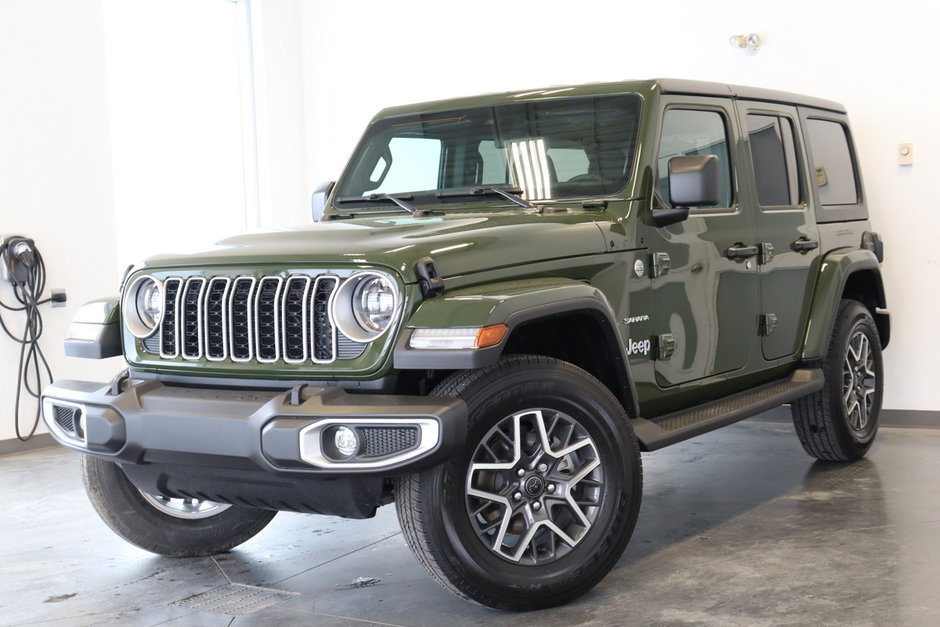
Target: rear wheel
{"x": 167, "y": 526}
{"x": 543, "y": 499}
{"x": 839, "y": 422}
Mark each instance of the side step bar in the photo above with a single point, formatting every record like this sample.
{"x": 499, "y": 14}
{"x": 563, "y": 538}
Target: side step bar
{"x": 663, "y": 431}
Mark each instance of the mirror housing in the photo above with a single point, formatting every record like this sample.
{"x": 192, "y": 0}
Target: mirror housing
{"x": 318, "y": 199}
{"x": 693, "y": 182}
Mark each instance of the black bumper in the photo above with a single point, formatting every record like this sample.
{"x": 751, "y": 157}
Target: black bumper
{"x": 258, "y": 448}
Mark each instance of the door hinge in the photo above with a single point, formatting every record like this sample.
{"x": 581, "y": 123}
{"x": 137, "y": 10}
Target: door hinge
{"x": 766, "y": 253}
{"x": 660, "y": 264}
{"x": 767, "y": 324}
{"x": 665, "y": 346}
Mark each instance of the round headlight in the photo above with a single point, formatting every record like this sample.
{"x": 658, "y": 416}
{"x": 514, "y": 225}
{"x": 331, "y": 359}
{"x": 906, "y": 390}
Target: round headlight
{"x": 374, "y": 303}
{"x": 143, "y": 306}
{"x": 365, "y": 306}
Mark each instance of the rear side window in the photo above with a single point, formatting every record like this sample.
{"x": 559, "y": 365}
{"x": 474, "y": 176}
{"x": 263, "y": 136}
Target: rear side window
{"x": 835, "y": 177}
{"x": 688, "y": 132}
{"x": 773, "y": 154}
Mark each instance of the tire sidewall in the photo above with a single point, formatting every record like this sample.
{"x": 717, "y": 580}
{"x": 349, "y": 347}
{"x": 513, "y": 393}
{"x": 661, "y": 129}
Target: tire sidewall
{"x": 552, "y": 388}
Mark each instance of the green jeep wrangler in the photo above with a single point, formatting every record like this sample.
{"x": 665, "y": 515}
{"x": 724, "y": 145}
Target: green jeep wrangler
{"x": 502, "y": 301}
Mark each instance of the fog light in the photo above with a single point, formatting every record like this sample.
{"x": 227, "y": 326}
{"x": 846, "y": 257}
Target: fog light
{"x": 346, "y": 441}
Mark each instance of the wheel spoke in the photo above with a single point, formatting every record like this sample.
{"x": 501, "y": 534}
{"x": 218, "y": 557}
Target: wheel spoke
{"x": 533, "y": 486}
{"x": 859, "y": 381}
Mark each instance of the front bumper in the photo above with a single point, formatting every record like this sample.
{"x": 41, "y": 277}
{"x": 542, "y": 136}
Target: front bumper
{"x": 261, "y": 448}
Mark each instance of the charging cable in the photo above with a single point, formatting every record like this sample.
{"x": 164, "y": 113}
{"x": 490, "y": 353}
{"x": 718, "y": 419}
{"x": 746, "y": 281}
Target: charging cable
{"x": 27, "y": 274}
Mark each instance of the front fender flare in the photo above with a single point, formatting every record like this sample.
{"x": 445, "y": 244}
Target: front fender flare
{"x": 512, "y": 303}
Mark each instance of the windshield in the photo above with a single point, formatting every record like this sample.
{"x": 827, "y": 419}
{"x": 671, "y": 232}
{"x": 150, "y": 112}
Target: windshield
{"x": 572, "y": 147}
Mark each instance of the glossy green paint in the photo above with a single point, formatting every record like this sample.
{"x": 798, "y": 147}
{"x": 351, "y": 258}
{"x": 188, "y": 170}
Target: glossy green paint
{"x": 834, "y": 271}
{"x": 496, "y": 303}
{"x": 498, "y": 259}
{"x": 460, "y": 242}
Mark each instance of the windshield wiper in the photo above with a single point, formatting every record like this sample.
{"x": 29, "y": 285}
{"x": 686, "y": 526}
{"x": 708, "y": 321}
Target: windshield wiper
{"x": 398, "y": 200}
{"x": 511, "y": 194}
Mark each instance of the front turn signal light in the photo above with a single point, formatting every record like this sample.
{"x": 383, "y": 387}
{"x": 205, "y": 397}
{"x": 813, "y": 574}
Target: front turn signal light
{"x": 458, "y": 338}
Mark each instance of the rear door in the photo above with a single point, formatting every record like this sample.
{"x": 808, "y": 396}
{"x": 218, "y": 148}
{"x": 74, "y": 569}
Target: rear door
{"x": 786, "y": 232}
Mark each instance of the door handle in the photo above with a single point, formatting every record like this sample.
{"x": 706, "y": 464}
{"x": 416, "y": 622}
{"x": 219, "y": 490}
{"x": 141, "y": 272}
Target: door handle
{"x": 804, "y": 245}
{"x": 740, "y": 251}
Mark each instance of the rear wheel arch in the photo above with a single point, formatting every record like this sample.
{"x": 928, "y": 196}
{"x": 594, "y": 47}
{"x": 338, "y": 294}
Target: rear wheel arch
{"x": 867, "y": 287}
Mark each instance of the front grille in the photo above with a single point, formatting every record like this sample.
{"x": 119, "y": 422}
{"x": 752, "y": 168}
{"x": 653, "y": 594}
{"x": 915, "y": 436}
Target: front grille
{"x": 248, "y": 319}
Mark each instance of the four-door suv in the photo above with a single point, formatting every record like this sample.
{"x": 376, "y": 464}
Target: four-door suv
{"x": 503, "y": 300}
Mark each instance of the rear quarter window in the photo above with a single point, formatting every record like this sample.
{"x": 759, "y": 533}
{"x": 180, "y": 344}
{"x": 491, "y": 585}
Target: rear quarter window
{"x": 833, "y": 168}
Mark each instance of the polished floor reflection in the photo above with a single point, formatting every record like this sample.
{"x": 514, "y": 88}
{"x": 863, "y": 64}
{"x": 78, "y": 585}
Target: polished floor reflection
{"x": 738, "y": 527}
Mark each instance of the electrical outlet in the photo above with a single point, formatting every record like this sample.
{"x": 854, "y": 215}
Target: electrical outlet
{"x": 58, "y": 298}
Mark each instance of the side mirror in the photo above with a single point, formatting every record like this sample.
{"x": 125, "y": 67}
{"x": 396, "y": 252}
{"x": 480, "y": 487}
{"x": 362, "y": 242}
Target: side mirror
{"x": 693, "y": 182}
{"x": 318, "y": 199}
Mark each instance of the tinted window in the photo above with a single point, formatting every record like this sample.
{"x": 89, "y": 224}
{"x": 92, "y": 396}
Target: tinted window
{"x": 774, "y": 157}
{"x": 834, "y": 172}
{"x": 550, "y": 149}
{"x": 692, "y": 133}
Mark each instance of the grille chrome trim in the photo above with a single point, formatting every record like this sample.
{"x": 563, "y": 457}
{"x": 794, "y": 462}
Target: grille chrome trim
{"x": 187, "y": 315}
{"x": 286, "y": 318}
{"x": 261, "y": 318}
{"x": 171, "y": 295}
{"x": 321, "y": 280}
{"x": 223, "y": 323}
{"x": 304, "y": 316}
{"x": 249, "y": 319}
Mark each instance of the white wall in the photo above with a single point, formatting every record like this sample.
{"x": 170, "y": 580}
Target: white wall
{"x": 175, "y": 124}
{"x": 55, "y": 177}
{"x": 877, "y": 58}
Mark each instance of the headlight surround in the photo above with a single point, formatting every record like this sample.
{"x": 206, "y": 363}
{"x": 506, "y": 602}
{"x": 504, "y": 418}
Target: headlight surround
{"x": 142, "y": 306}
{"x": 366, "y": 305}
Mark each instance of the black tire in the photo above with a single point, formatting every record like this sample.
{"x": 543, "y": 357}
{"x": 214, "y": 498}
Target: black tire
{"x": 839, "y": 422}
{"x": 144, "y": 522}
{"x": 470, "y": 543}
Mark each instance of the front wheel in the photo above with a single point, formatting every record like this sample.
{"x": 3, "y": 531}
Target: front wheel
{"x": 542, "y": 501}
{"x": 839, "y": 422}
{"x": 171, "y": 527}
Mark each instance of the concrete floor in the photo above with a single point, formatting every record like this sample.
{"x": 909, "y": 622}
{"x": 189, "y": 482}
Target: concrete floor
{"x": 738, "y": 527}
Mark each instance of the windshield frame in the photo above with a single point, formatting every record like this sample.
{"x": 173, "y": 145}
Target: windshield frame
{"x": 346, "y": 203}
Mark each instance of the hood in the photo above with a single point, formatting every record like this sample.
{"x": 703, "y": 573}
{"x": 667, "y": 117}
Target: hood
{"x": 459, "y": 244}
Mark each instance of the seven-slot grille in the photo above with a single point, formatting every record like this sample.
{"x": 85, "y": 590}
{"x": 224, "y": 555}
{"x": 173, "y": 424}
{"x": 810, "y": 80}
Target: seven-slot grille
{"x": 249, "y": 319}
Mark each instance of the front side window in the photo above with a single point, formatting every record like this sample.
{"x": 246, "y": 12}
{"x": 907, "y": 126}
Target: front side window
{"x": 688, "y": 132}
{"x": 832, "y": 160}
{"x": 773, "y": 155}
{"x": 563, "y": 148}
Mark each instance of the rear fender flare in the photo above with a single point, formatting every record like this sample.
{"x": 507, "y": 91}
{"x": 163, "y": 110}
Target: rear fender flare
{"x": 834, "y": 274}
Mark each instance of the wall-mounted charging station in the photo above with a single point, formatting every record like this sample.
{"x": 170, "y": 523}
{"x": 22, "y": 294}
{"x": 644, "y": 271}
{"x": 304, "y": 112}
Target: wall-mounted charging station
{"x": 21, "y": 266}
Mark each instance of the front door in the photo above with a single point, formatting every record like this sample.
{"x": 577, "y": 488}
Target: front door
{"x": 705, "y": 304}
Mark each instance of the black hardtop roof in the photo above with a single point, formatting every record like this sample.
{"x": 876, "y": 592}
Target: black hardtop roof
{"x": 663, "y": 85}
{"x": 743, "y": 92}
